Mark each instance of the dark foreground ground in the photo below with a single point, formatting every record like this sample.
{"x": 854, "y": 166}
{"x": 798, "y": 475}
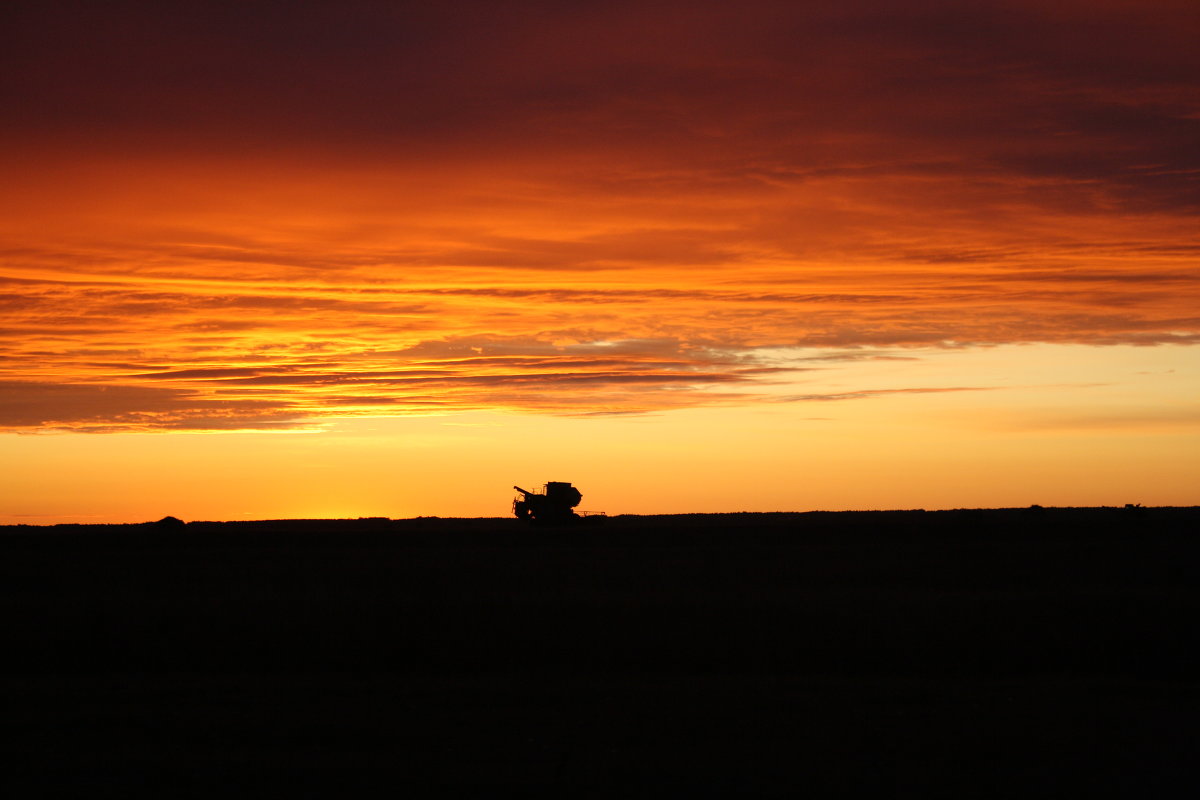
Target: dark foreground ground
{"x": 958, "y": 653}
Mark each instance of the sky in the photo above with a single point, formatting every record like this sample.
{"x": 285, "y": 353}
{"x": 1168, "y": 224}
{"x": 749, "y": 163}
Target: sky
{"x": 341, "y": 259}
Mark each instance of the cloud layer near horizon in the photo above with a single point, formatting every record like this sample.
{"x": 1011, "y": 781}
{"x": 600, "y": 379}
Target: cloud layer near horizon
{"x": 250, "y": 216}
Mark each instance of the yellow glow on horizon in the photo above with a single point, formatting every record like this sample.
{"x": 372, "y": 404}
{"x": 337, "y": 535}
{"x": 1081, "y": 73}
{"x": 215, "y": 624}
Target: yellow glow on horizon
{"x": 1103, "y": 433}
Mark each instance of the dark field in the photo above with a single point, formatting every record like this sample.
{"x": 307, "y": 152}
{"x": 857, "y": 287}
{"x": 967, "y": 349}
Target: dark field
{"x": 963, "y": 653}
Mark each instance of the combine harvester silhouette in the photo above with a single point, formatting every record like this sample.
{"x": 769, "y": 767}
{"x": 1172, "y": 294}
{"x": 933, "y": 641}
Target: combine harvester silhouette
{"x": 554, "y": 505}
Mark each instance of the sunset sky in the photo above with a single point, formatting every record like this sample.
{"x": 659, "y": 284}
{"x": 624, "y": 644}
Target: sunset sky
{"x": 341, "y": 259}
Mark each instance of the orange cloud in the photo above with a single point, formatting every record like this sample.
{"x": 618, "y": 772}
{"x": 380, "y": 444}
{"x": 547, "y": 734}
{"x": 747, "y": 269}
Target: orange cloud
{"x": 385, "y": 213}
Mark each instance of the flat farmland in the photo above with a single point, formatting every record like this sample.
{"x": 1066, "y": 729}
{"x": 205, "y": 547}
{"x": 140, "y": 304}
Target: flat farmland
{"x": 977, "y": 652}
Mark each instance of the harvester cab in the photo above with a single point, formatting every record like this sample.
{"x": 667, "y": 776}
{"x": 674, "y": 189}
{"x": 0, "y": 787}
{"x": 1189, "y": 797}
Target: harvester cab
{"x": 553, "y": 505}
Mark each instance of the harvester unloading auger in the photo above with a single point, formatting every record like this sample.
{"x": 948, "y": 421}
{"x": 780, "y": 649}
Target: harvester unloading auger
{"x": 554, "y": 505}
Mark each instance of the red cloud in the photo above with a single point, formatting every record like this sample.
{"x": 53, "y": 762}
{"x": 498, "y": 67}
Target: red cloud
{"x": 565, "y": 208}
